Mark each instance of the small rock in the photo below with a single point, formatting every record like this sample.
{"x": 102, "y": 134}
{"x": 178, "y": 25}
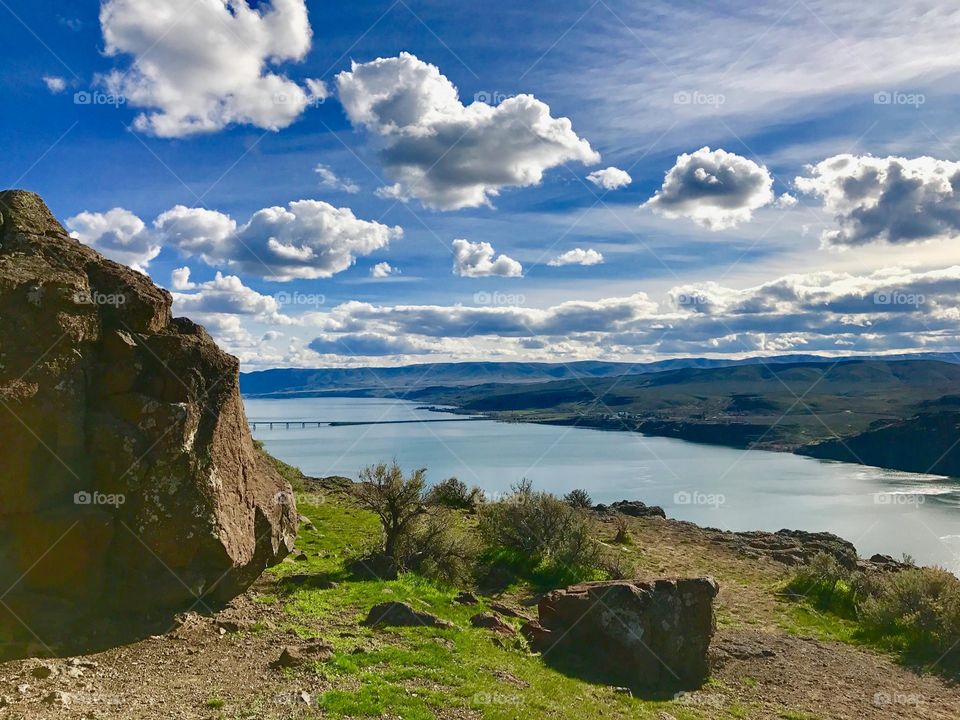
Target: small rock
{"x": 56, "y": 698}
{"x": 300, "y": 556}
{"x": 42, "y": 672}
{"x": 398, "y": 614}
{"x": 466, "y": 598}
{"x": 623, "y": 691}
{"x": 296, "y": 656}
{"x": 539, "y": 638}
{"x": 492, "y": 622}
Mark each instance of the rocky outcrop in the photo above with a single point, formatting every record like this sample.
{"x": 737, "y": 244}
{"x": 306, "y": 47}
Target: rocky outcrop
{"x": 790, "y": 547}
{"x": 647, "y": 635}
{"x": 633, "y": 508}
{"x": 926, "y": 443}
{"x": 130, "y": 482}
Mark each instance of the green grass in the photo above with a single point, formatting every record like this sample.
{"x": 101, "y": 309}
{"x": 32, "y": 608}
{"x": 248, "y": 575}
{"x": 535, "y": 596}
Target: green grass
{"x": 416, "y": 672}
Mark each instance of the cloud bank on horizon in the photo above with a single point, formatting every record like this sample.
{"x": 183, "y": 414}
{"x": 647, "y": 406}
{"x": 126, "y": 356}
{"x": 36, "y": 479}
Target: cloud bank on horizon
{"x": 613, "y": 206}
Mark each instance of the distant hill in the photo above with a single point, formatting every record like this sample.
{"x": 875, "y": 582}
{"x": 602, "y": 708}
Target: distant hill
{"x": 773, "y": 406}
{"x": 400, "y": 380}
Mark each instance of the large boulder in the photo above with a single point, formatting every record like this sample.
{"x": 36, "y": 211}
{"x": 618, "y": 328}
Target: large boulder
{"x": 129, "y": 481}
{"x": 646, "y": 635}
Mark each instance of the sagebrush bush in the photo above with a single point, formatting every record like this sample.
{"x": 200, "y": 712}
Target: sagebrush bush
{"x": 579, "y": 499}
{"x": 453, "y": 493}
{"x": 920, "y": 605}
{"x": 438, "y": 548}
{"x": 540, "y": 527}
{"x": 916, "y": 610}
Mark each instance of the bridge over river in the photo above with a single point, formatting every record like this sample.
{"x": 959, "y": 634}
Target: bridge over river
{"x": 302, "y": 424}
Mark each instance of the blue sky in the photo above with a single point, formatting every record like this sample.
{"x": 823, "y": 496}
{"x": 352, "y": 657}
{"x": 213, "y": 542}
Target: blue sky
{"x": 175, "y": 134}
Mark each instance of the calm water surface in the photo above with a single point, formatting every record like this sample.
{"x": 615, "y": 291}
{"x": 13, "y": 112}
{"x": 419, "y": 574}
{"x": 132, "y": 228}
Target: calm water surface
{"x": 878, "y": 510}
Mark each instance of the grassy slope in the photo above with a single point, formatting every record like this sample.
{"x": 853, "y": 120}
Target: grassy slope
{"x": 427, "y": 673}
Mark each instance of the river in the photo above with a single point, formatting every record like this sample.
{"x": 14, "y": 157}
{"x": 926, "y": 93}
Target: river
{"x": 880, "y": 511}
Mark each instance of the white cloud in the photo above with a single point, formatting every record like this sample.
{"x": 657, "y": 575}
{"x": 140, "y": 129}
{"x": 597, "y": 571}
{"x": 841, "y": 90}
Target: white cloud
{"x": 180, "y": 279}
{"x": 892, "y": 310}
{"x": 610, "y": 178}
{"x": 55, "y": 84}
{"x": 577, "y": 256}
{"x": 201, "y": 65}
{"x": 329, "y": 179}
{"x": 226, "y": 295}
{"x": 308, "y": 239}
{"x": 382, "y": 270}
{"x": 367, "y": 345}
{"x": 714, "y": 188}
{"x": 477, "y": 260}
{"x": 118, "y": 234}
{"x": 447, "y": 155}
{"x": 893, "y": 200}
{"x": 786, "y": 200}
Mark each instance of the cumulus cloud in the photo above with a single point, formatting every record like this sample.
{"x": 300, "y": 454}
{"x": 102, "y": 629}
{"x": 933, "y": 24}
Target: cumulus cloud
{"x": 714, "y": 188}
{"x": 329, "y": 179}
{"x": 118, "y": 234}
{"x": 366, "y": 345}
{"x": 180, "y": 279}
{"x": 226, "y": 295}
{"x": 892, "y": 310}
{"x": 610, "y": 178}
{"x": 382, "y": 270}
{"x": 54, "y": 84}
{"x": 577, "y": 256}
{"x": 201, "y": 65}
{"x": 443, "y": 153}
{"x": 478, "y": 260}
{"x": 786, "y": 200}
{"x": 892, "y": 200}
{"x": 308, "y": 239}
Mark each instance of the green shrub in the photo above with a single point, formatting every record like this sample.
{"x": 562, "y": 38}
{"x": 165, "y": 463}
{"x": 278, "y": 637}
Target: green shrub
{"x": 397, "y": 500}
{"x": 579, "y": 499}
{"x": 920, "y": 607}
{"x": 538, "y": 530}
{"x": 453, "y": 493}
{"x": 438, "y": 548}
{"x": 916, "y": 611}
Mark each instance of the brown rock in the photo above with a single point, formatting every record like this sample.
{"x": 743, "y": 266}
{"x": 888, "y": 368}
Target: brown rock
{"x": 296, "y": 656}
{"x": 653, "y": 635}
{"x": 490, "y": 621}
{"x": 130, "y": 481}
{"x": 398, "y": 614}
{"x": 466, "y": 598}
